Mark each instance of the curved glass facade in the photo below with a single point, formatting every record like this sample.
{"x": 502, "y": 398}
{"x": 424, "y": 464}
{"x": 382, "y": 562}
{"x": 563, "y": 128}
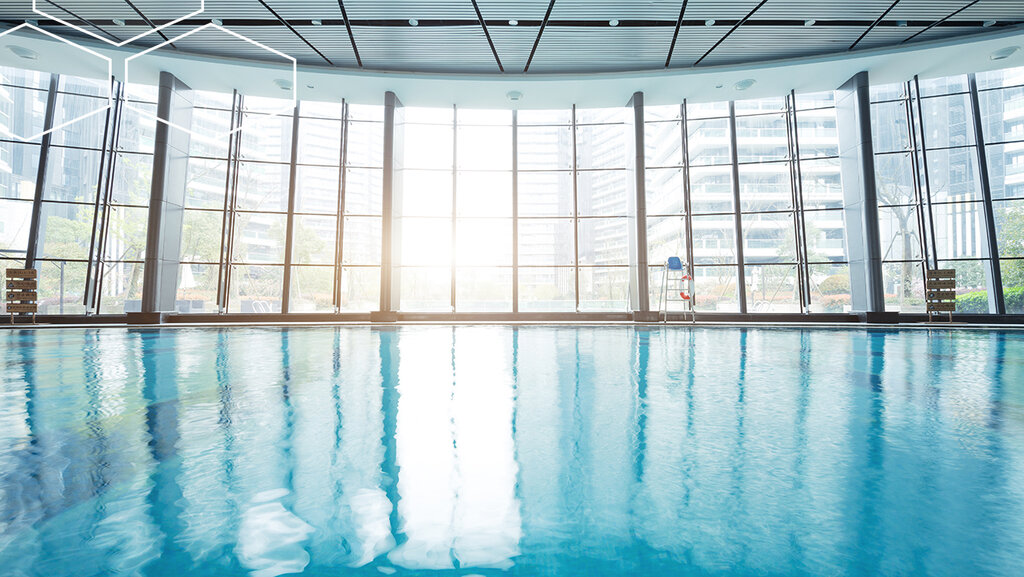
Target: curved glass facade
{"x": 526, "y": 211}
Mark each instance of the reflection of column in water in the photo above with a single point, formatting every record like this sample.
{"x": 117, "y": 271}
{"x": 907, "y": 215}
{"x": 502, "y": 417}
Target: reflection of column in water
{"x": 271, "y": 538}
{"x": 338, "y": 449}
{"x": 424, "y": 449}
{"x": 207, "y": 414}
{"x": 665, "y": 358}
{"x": 713, "y": 500}
{"x": 23, "y": 442}
{"x": 160, "y": 391}
{"x": 487, "y": 522}
{"x": 607, "y": 429}
{"x": 545, "y": 383}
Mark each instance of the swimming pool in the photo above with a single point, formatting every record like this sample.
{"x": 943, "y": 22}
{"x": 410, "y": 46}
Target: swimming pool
{"x": 498, "y": 450}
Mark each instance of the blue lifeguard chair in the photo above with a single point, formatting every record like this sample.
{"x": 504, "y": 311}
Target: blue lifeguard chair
{"x": 676, "y": 280}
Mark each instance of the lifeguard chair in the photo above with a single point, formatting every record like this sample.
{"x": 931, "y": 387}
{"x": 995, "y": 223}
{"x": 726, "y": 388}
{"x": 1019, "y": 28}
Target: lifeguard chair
{"x": 676, "y": 280}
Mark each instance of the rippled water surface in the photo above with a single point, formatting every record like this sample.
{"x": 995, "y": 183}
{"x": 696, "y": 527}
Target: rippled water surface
{"x": 576, "y": 451}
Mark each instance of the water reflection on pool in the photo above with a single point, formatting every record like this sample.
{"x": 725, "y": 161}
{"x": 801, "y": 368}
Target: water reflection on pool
{"x": 493, "y": 450}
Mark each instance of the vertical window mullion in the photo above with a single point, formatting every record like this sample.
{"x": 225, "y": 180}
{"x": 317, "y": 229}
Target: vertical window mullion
{"x": 741, "y": 279}
{"x": 339, "y": 241}
{"x": 455, "y": 163}
{"x": 575, "y": 213}
{"x": 515, "y": 211}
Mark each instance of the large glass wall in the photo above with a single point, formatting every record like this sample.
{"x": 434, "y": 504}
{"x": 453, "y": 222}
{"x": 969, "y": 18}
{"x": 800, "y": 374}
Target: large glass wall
{"x": 931, "y": 191}
{"x": 1001, "y": 97}
{"x": 23, "y": 98}
{"x": 790, "y": 203}
{"x": 515, "y": 211}
{"x": 255, "y": 193}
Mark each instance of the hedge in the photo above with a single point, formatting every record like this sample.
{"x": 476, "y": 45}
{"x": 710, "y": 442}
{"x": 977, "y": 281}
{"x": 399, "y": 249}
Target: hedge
{"x": 977, "y": 302}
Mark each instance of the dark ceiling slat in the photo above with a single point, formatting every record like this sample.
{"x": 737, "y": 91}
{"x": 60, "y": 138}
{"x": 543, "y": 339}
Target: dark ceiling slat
{"x": 488, "y": 35}
{"x": 80, "y": 19}
{"x": 731, "y": 30}
{"x": 536, "y": 42}
{"x": 351, "y": 37}
{"x": 675, "y": 35}
{"x": 933, "y": 25}
{"x": 296, "y": 32}
{"x": 873, "y": 24}
{"x": 148, "y": 21}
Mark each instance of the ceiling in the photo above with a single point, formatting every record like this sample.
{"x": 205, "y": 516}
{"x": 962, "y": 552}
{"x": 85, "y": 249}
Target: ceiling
{"x": 526, "y": 36}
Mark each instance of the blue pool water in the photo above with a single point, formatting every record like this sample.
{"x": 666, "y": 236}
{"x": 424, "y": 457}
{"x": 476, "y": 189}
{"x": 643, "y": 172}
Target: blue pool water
{"x": 566, "y": 451}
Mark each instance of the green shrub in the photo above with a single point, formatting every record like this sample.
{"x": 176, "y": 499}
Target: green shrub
{"x": 834, "y": 303}
{"x": 836, "y": 284}
{"x": 974, "y": 302}
{"x": 1014, "y": 298}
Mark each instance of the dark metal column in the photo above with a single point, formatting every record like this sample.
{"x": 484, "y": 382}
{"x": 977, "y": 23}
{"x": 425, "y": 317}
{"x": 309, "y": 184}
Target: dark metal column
{"x": 990, "y": 246}
{"x": 741, "y": 279}
{"x": 289, "y": 235}
{"x": 167, "y": 201}
{"x": 44, "y": 154}
{"x": 860, "y": 200}
{"x": 639, "y": 283}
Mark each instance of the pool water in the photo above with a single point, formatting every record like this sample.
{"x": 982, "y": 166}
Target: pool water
{"x": 561, "y": 451}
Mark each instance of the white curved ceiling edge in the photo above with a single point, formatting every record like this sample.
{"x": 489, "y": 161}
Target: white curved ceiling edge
{"x": 930, "y": 59}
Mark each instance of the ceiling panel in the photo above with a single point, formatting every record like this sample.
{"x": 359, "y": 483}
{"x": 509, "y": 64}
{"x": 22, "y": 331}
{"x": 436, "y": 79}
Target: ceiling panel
{"x": 788, "y": 42}
{"x": 602, "y": 49}
{"x": 449, "y": 37}
{"x": 433, "y": 49}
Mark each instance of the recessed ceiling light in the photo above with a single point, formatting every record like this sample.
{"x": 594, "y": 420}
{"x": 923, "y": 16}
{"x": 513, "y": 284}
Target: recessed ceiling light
{"x": 744, "y": 84}
{"x": 32, "y": 22}
{"x": 414, "y": 22}
{"x": 310, "y": 86}
{"x": 22, "y": 52}
{"x": 901, "y": 23}
{"x": 217, "y": 21}
{"x": 709, "y": 22}
{"x": 810, "y": 22}
{"x": 719, "y": 85}
{"x": 317, "y": 23}
{"x": 988, "y": 23}
{"x": 513, "y": 22}
{"x": 283, "y": 84}
{"x": 613, "y": 22}
{"x": 118, "y": 22}
{"x": 1004, "y": 53}
{"x": 514, "y": 96}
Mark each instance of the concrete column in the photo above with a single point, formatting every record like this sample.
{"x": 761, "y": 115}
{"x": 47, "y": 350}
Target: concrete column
{"x": 390, "y": 275}
{"x": 639, "y": 302}
{"x": 167, "y": 202}
{"x": 860, "y": 201}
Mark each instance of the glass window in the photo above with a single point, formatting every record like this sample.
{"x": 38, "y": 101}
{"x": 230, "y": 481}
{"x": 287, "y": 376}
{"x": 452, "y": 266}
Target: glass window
{"x": 547, "y": 289}
{"x": 761, "y": 138}
{"x": 604, "y": 241}
{"x": 765, "y": 187}
{"x": 772, "y": 288}
{"x": 665, "y": 189}
{"x": 483, "y": 289}
{"x": 708, "y": 142}
{"x": 603, "y": 193}
{"x": 769, "y": 238}
{"x": 545, "y": 194}
{"x": 19, "y": 163}
{"x": 546, "y": 242}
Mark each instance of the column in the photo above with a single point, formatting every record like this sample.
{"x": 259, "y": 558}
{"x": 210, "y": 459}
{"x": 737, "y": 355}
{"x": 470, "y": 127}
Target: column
{"x": 639, "y": 300}
{"x": 860, "y": 202}
{"x": 167, "y": 202}
{"x": 390, "y": 275}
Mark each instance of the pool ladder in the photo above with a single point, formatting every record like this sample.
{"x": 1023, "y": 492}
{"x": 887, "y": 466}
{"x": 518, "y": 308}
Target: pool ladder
{"x": 676, "y": 280}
